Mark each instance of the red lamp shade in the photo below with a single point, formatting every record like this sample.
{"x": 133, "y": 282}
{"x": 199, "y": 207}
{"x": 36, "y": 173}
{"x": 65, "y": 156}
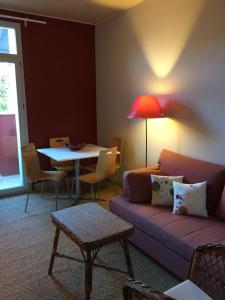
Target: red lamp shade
{"x": 146, "y": 107}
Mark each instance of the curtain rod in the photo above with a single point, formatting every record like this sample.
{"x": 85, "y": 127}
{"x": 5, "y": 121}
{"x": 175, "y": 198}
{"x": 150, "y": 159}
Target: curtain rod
{"x": 23, "y": 19}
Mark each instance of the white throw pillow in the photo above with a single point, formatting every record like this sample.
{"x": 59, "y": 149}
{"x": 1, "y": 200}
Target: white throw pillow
{"x": 190, "y": 199}
{"x": 162, "y": 189}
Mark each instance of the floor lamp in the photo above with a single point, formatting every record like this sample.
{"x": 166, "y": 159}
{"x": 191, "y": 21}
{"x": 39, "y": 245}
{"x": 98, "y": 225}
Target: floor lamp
{"x": 146, "y": 107}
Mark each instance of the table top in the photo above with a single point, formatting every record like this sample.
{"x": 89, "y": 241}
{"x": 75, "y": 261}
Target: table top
{"x": 65, "y": 154}
{"x": 90, "y": 226}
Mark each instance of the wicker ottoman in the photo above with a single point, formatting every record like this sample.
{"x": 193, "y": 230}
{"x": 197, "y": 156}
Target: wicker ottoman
{"x": 91, "y": 227}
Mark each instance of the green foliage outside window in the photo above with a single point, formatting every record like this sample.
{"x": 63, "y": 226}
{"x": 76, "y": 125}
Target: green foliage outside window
{"x": 3, "y": 94}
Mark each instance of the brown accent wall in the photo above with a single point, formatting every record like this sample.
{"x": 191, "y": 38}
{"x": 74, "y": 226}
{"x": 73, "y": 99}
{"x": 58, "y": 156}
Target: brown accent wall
{"x": 59, "y": 70}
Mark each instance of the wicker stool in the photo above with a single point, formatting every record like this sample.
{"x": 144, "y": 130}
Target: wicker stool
{"x": 91, "y": 227}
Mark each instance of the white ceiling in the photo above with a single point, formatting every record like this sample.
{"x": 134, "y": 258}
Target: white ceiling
{"x": 86, "y": 11}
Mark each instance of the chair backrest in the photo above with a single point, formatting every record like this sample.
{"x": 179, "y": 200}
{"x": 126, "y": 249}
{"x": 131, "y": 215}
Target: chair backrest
{"x": 58, "y": 142}
{"x": 31, "y": 161}
{"x": 117, "y": 142}
{"x": 106, "y": 164}
{"x": 208, "y": 270}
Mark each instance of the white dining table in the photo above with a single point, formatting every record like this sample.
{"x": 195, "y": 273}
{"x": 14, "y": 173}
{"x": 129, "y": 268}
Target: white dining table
{"x": 65, "y": 154}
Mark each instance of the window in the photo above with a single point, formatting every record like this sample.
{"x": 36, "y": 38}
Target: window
{"x": 8, "y": 40}
{"x": 13, "y": 129}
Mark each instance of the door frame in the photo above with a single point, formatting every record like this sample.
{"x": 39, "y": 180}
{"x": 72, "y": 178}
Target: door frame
{"x": 17, "y": 59}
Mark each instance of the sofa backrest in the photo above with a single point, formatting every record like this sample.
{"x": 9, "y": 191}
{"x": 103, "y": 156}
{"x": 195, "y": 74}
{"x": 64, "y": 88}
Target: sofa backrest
{"x": 194, "y": 171}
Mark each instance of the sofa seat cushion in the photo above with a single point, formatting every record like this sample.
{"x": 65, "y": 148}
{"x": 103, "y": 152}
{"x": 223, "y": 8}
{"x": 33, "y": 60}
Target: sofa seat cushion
{"x": 181, "y": 234}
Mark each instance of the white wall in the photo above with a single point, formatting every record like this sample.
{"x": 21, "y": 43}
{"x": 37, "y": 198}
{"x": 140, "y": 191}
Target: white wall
{"x": 174, "y": 49}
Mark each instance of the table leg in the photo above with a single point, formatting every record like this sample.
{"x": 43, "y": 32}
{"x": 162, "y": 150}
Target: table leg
{"x": 88, "y": 275}
{"x": 127, "y": 257}
{"x": 54, "y": 249}
{"x": 77, "y": 174}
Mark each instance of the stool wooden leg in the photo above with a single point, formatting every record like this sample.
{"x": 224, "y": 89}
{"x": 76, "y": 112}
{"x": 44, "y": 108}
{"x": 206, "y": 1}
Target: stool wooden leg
{"x": 127, "y": 257}
{"x": 88, "y": 275}
{"x": 56, "y": 195}
{"x": 92, "y": 192}
{"x": 28, "y": 194}
{"x": 127, "y": 294}
{"x": 54, "y": 249}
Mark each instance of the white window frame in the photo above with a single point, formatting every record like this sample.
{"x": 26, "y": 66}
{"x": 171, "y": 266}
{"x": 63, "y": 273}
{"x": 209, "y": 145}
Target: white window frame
{"x": 17, "y": 59}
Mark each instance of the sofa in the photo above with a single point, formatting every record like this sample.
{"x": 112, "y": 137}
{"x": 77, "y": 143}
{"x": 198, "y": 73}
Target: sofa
{"x": 170, "y": 238}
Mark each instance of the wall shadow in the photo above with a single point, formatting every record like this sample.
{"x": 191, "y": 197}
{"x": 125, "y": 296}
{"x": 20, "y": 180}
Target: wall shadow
{"x": 187, "y": 117}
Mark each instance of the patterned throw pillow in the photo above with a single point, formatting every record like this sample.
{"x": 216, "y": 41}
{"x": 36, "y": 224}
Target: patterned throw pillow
{"x": 190, "y": 199}
{"x": 162, "y": 189}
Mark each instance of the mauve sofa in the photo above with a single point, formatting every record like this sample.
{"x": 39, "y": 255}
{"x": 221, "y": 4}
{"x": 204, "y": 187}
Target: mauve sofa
{"x": 166, "y": 237}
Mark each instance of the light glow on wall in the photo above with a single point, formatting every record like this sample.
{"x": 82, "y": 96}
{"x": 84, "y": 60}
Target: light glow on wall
{"x": 118, "y": 4}
{"x": 163, "y": 133}
{"x": 161, "y": 86}
{"x": 162, "y": 29}
{"x": 162, "y": 129}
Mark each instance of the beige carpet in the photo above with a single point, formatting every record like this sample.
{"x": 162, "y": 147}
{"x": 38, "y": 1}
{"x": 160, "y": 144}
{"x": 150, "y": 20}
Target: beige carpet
{"x": 25, "y": 248}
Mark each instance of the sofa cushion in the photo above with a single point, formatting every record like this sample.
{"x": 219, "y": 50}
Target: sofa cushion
{"x": 181, "y": 234}
{"x": 137, "y": 185}
{"x": 190, "y": 199}
{"x": 162, "y": 189}
{"x": 194, "y": 171}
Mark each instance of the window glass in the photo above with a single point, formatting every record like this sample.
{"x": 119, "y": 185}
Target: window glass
{"x": 8, "y": 40}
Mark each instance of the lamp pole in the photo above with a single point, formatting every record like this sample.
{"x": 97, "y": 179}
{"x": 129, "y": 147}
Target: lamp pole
{"x": 146, "y": 142}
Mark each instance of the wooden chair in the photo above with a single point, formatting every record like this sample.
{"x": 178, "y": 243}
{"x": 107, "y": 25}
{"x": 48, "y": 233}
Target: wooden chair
{"x": 206, "y": 275}
{"x": 60, "y": 142}
{"x": 105, "y": 169}
{"x": 35, "y": 174}
{"x": 115, "y": 142}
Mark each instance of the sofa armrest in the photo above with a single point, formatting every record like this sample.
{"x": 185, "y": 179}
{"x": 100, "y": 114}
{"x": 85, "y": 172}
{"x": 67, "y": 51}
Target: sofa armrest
{"x": 137, "y": 184}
